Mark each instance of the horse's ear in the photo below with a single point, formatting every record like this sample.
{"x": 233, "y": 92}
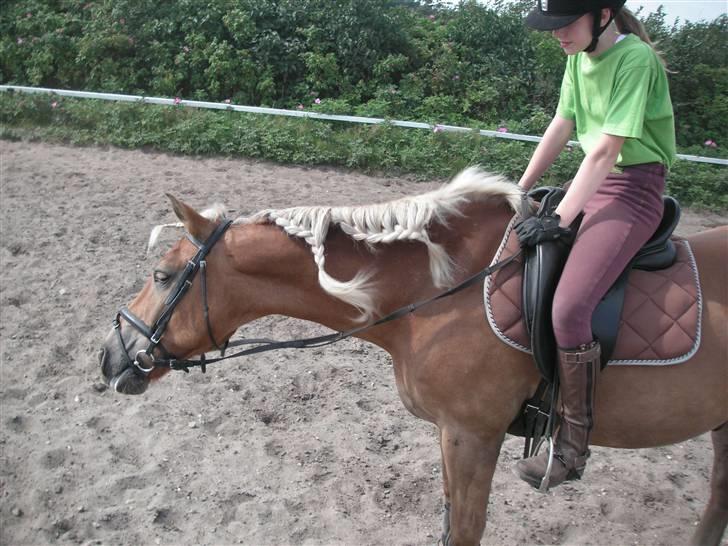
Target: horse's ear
{"x": 197, "y": 225}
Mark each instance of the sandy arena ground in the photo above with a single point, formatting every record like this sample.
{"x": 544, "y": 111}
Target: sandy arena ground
{"x": 285, "y": 448}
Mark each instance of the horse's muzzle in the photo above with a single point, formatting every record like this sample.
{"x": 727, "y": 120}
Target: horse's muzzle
{"x": 128, "y": 380}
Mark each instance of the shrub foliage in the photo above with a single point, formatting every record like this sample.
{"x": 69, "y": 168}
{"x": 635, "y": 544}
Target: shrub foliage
{"x": 399, "y": 58}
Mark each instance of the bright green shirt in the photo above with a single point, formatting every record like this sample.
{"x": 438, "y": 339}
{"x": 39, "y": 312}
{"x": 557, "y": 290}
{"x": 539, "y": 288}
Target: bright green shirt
{"x": 621, "y": 92}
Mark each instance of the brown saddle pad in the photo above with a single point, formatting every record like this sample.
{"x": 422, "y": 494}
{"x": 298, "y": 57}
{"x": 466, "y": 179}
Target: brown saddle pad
{"x": 660, "y": 321}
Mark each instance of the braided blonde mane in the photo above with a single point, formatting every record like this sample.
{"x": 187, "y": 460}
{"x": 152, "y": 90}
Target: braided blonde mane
{"x": 405, "y": 219}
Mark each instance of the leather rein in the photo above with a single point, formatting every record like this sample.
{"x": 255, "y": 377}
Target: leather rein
{"x": 146, "y": 361}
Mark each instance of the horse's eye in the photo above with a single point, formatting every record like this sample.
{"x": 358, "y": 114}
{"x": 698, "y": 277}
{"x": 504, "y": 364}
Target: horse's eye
{"x": 161, "y": 277}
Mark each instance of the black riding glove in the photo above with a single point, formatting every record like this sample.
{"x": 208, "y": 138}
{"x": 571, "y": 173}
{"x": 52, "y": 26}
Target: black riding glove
{"x": 536, "y": 229}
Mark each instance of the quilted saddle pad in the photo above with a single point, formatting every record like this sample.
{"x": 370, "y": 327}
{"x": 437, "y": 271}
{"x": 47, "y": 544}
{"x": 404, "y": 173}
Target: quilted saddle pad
{"x": 661, "y": 317}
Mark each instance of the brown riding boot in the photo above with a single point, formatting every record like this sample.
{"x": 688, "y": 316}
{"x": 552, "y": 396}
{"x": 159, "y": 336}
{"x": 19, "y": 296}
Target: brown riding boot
{"x": 578, "y": 369}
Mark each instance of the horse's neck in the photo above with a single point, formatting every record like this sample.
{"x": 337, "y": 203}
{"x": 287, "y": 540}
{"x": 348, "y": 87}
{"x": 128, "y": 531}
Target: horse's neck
{"x": 285, "y": 277}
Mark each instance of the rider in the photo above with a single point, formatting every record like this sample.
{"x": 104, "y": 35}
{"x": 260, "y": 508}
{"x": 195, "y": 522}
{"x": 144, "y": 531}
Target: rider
{"x": 615, "y": 93}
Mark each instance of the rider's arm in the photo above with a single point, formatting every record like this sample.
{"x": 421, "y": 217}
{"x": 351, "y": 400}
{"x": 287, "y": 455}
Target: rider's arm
{"x": 554, "y": 140}
{"x": 593, "y": 170}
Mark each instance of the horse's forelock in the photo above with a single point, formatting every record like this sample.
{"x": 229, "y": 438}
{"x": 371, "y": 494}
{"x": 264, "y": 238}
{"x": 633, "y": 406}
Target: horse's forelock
{"x": 215, "y": 213}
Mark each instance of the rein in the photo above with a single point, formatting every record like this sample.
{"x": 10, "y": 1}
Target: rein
{"x": 146, "y": 362}
{"x": 322, "y": 341}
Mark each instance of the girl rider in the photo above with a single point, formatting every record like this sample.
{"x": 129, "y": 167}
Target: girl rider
{"x": 615, "y": 93}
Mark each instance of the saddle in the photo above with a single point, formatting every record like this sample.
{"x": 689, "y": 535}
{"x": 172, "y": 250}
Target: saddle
{"x": 543, "y": 265}
{"x": 656, "y": 297}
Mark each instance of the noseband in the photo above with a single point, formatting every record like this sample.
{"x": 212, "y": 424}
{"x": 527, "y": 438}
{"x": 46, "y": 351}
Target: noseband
{"x": 145, "y": 360}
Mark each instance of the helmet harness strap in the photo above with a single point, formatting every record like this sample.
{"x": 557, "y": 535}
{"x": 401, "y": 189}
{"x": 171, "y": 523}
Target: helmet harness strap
{"x": 598, "y": 30}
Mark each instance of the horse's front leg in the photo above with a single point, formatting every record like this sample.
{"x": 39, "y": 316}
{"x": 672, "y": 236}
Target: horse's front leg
{"x": 446, "y": 492}
{"x": 469, "y": 460}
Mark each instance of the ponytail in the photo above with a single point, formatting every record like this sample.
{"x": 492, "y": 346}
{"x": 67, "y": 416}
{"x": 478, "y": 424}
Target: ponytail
{"x": 627, "y": 23}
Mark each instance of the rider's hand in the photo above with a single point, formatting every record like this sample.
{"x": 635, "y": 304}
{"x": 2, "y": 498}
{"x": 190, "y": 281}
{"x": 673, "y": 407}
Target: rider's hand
{"x": 536, "y": 229}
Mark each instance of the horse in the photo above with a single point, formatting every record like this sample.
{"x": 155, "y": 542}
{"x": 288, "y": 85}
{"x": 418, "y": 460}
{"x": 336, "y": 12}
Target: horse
{"x": 343, "y": 266}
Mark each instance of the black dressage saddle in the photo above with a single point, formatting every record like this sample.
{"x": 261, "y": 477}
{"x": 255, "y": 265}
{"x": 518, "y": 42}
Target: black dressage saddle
{"x": 543, "y": 265}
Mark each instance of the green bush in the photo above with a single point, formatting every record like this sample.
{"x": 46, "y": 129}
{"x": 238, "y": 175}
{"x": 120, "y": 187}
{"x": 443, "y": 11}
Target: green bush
{"x": 472, "y": 64}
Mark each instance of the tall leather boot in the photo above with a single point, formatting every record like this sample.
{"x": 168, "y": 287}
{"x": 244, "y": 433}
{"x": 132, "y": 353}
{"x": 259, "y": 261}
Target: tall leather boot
{"x": 578, "y": 370}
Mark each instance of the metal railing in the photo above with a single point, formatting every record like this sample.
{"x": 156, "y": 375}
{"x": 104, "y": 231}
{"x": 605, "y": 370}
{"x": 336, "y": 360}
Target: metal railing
{"x": 303, "y": 114}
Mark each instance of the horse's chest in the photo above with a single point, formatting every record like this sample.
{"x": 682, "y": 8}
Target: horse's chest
{"x": 408, "y": 393}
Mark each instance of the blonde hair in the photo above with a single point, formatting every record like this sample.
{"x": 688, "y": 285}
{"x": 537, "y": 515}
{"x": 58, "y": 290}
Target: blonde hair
{"x": 406, "y": 219}
{"x": 627, "y": 23}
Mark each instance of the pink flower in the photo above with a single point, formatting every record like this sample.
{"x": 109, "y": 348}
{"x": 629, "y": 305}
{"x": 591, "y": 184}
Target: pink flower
{"x": 54, "y": 104}
{"x": 431, "y": 17}
{"x": 300, "y": 106}
{"x": 317, "y": 101}
{"x": 710, "y": 144}
{"x": 185, "y": 49}
{"x": 29, "y": 15}
{"x": 20, "y": 41}
{"x": 177, "y": 100}
{"x": 437, "y": 129}
{"x": 227, "y": 101}
{"x": 122, "y": 21}
{"x": 502, "y": 129}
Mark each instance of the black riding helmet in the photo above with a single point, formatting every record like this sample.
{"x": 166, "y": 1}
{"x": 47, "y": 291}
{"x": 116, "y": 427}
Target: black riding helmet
{"x": 555, "y": 14}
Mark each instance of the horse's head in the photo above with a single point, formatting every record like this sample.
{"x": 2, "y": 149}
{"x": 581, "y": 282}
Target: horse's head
{"x": 175, "y": 315}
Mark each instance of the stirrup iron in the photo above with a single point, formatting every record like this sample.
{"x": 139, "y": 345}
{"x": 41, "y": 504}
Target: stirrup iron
{"x": 544, "y": 487}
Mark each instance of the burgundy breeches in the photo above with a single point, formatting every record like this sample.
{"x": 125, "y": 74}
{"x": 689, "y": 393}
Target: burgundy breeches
{"x": 618, "y": 220}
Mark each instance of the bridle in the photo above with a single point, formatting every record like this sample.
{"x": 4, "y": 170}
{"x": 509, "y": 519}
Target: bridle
{"x": 145, "y": 360}
{"x": 155, "y": 332}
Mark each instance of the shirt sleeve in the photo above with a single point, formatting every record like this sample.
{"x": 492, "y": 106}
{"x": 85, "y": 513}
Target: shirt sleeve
{"x": 566, "y": 107}
{"x": 627, "y": 105}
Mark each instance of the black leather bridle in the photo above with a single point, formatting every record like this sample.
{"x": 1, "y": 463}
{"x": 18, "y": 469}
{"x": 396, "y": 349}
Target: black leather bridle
{"x": 155, "y": 332}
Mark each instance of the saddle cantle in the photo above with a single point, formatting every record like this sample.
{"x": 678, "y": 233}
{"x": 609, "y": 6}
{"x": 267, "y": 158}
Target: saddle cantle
{"x": 656, "y": 320}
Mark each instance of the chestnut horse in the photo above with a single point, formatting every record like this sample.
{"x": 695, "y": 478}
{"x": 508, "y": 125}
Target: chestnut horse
{"x": 450, "y": 369}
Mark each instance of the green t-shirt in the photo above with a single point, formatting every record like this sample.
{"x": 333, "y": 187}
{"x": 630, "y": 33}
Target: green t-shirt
{"x": 622, "y": 92}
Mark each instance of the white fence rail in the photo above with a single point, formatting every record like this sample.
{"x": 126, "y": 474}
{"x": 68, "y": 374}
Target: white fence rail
{"x": 302, "y": 114}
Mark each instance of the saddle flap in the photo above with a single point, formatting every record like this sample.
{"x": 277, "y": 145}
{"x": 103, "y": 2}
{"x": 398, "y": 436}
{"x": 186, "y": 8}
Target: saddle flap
{"x": 542, "y": 266}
